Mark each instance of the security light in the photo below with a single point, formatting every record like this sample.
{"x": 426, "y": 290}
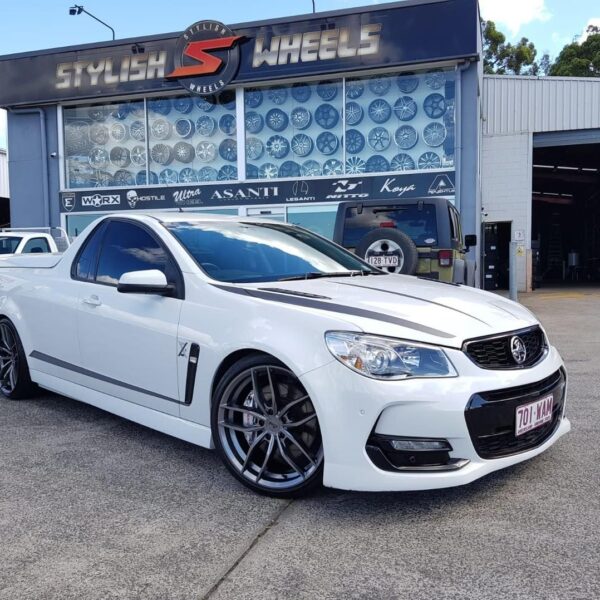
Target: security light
{"x": 75, "y": 10}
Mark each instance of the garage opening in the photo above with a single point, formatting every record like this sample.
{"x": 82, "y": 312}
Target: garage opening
{"x": 566, "y": 213}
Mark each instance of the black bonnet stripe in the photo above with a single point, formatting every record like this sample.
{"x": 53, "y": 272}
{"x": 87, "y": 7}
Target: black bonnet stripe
{"x": 337, "y": 308}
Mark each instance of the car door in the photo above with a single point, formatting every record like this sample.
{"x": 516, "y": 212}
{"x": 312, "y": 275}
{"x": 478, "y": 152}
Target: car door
{"x": 128, "y": 341}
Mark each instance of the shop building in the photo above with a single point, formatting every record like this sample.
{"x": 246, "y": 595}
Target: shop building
{"x": 283, "y": 118}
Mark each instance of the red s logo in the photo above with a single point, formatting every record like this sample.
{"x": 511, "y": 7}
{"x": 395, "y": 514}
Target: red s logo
{"x": 208, "y": 63}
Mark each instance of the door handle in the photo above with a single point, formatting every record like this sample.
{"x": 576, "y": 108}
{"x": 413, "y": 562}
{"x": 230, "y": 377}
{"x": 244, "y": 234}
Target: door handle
{"x": 93, "y": 300}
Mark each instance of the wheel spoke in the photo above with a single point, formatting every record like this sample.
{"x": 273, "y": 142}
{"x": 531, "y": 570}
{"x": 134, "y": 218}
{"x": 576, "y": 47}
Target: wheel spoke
{"x": 267, "y": 457}
{"x": 258, "y": 398}
{"x": 12, "y": 377}
{"x": 241, "y": 428}
{"x": 288, "y": 459}
{"x": 251, "y": 449}
{"x": 245, "y": 411}
{"x": 292, "y": 404}
{"x": 273, "y": 395}
{"x": 298, "y": 445}
{"x": 301, "y": 422}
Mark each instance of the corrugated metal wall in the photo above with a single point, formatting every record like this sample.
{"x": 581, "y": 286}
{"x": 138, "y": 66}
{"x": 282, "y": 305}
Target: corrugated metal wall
{"x": 3, "y": 174}
{"x": 536, "y": 104}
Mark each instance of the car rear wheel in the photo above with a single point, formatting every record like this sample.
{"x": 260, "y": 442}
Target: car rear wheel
{"x": 15, "y": 382}
{"x": 390, "y": 250}
{"x": 266, "y": 430}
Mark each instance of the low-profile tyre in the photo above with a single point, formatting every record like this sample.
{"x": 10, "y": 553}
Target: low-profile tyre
{"x": 266, "y": 430}
{"x": 387, "y": 243}
{"x": 15, "y": 382}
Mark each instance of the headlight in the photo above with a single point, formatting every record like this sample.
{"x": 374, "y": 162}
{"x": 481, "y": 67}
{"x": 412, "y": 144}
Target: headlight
{"x": 388, "y": 358}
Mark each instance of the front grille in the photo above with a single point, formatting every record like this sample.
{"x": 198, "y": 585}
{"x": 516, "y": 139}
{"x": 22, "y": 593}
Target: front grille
{"x": 491, "y": 417}
{"x": 495, "y": 352}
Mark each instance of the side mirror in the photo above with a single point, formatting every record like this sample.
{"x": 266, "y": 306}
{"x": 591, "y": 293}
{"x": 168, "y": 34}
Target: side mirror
{"x": 145, "y": 282}
{"x": 470, "y": 240}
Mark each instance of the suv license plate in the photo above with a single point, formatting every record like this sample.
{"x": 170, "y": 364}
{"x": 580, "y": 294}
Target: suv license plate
{"x": 383, "y": 261}
{"x": 534, "y": 415}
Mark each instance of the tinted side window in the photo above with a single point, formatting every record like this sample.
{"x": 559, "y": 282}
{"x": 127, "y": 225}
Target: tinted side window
{"x": 127, "y": 247}
{"x": 86, "y": 263}
{"x": 36, "y": 245}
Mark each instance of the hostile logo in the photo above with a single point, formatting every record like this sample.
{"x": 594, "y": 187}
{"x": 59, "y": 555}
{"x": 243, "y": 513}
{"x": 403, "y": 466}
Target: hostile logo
{"x": 98, "y": 200}
{"x": 132, "y": 198}
{"x": 442, "y": 184}
{"x": 68, "y": 202}
{"x": 518, "y": 349}
{"x": 206, "y": 57}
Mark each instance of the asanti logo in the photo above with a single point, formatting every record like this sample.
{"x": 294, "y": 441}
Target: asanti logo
{"x": 98, "y": 200}
{"x": 346, "y": 189}
{"x": 206, "y": 57}
{"x": 442, "y": 184}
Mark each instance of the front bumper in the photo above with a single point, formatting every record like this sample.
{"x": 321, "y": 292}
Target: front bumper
{"x": 352, "y": 407}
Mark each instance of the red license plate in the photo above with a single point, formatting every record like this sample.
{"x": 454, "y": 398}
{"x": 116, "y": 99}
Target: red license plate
{"x": 534, "y": 415}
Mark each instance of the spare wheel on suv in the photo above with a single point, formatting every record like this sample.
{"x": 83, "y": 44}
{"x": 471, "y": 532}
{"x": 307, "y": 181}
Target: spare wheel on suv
{"x": 390, "y": 250}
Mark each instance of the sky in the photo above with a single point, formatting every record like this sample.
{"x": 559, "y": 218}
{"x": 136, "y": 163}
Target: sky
{"x": 35, "y": 24}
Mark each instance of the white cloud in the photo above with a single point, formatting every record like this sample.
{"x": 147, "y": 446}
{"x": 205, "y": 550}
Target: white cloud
{"x": 585, "y": 34}
{"x": 513, "y": 14}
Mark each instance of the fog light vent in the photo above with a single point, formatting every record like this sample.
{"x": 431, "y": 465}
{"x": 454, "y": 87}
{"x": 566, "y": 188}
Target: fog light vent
{"x": 420, "y": 445}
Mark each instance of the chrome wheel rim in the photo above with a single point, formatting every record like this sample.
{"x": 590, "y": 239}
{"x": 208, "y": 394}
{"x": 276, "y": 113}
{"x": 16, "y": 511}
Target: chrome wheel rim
{"x": 9, "y": 359}
{"x": 268, "y": 428}
{"x": 386, "y": 248}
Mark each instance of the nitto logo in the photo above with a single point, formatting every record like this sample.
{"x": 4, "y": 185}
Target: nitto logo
{"x": 442, "y": 184}
{"x": 344, "y": 189}
{"x": 98, "y": 200}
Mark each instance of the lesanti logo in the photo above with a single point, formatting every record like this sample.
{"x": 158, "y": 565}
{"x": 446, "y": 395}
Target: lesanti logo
{"x": 206, "y": 57}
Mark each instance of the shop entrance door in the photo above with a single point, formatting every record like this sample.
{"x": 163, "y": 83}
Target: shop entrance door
{"x": 276, "y": 213}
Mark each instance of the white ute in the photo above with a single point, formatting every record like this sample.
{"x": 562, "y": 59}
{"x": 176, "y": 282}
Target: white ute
{"x": 37, "y": 240}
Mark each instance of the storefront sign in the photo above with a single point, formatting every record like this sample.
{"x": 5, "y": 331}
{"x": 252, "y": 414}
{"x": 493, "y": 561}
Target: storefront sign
{"x": 211, "y": 195}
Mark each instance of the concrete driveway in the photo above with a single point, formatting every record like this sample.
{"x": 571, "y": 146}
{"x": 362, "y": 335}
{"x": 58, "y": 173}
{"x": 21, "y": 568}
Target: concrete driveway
{"x": 95, "y": 507}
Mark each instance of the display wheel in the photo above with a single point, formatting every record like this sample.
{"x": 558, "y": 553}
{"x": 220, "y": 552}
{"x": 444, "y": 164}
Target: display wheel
{"x": 354, "y": 88}
{"x": 435, "y": 79}
{"x": 301, "y": 92}
{"x": 406, "y": 137}
{"x": 327, "y": 90}
{"x": 119, "y": 132}
{"x": 98, "y": 158}
{"x": 137, "y": 130}
{"x": 355, "y": 141}
{"x": 98, "y": 113}
{"x": 278, "y": 146}
{"x": 254, "y": 148}
{"x": 327, "y": 143}
{"x": 228, "y": 150}
{"x": 251, "y": 171}
{"x": 380, "y": 85}
{"x": 138, "y": 155}
{"x": 429, "y": 160}
{"x": 402, "y": 162}
{"x": 377, "y": 164}
{"x": 268, "y": 171}
{"x": 407, "y": 83}
{"x": 354, "y": 113}
{"x": 207, "y": 174}
{"x": 405, "y": 108}
{"x": 277, "y": 94}
{"x": 188, "y": 175}
{"x": 355, "y": 165}
{"x": 227, "y": 124}
{"x": 123, "y": 178}
{"x": 277, "y": 120}
{"x": 77, "y": 138}
{"x": 379, "y": 139}
{"x": 333, "y": 167}
{"x": 121, "y": 112}
{"x": 160, "y": 106}
{"x": 302, "y": 145}
{"x": 254, "y": 122}
{"x": 142, "y": 178}
{"x": 161, "y": 129}
{"x": 100, "y": 179}
{"x": 183, "y": 105}
{"x": 300, "y": 117}
{"x": 120, "y": 157}
{"x": 253, "y": 97}
{"x": 206, "y": 103}
{"x": 380, "y": 111}
{"x": 184, "y": 152}
{"x": 311, "y": 168}
{"x": 168, "y": 177}
{"x": 227, "y": 99}
{"x": 227, "y": 172}
{"x": 99, "y": 134}
{"x": 206, "y": 152}
{"x": 206, "y": 125}
{"x": 161, "y": 154}
{"x": 185, "y": 128}
{"x": 326, "y": 116}
{"x": 289, "y": 168}
{"x": 434, "y": 106}
{"x": 434, "y": 134}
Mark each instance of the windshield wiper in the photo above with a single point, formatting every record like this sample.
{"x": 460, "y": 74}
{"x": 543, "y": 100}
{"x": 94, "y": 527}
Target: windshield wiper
{"x": 320, "y": 274}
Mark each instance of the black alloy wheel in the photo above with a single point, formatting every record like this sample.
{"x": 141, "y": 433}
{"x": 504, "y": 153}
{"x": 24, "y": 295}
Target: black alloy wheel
{"x": 15, "y": 382}
{"x": 266, "y": 430}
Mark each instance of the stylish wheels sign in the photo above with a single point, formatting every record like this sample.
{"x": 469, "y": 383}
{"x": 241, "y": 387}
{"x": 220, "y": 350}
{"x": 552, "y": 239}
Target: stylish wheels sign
{"x": 206, "y": 57}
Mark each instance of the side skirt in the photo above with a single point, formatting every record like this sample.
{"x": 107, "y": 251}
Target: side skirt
{"x": 188, "y": 431}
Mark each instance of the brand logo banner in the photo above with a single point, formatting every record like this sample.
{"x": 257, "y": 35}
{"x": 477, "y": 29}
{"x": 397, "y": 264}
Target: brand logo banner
{"x": 383, "y": 187}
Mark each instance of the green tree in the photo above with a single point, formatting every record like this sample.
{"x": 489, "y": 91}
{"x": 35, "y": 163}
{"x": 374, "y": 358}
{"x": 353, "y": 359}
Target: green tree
{"x": 579, "y": 60}
{"x": 502, "y": 58}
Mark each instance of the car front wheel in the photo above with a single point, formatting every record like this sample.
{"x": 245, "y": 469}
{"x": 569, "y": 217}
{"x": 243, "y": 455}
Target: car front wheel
{"x": 266, "y": 430}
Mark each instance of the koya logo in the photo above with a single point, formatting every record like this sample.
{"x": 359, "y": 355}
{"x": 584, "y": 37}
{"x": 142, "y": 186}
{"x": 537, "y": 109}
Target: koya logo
{"x": 345, "y": 188}
{"x": 187, "y": 197}
{"x": 98, "y": 200}
{"x": 390, "y": 187}
{"x": 442, "y": 184}
{"x": 68, "y": 202}
{"x": 206, "y": 57}
{"x": 300, "y": 192}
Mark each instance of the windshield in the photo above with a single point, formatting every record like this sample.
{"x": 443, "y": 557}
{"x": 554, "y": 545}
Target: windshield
{"x": 244, "y": 252}
{"x": 9, "y": 245}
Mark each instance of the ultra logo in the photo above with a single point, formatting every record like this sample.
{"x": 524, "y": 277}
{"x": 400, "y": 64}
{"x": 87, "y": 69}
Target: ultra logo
{"x": 206, "y": 57}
